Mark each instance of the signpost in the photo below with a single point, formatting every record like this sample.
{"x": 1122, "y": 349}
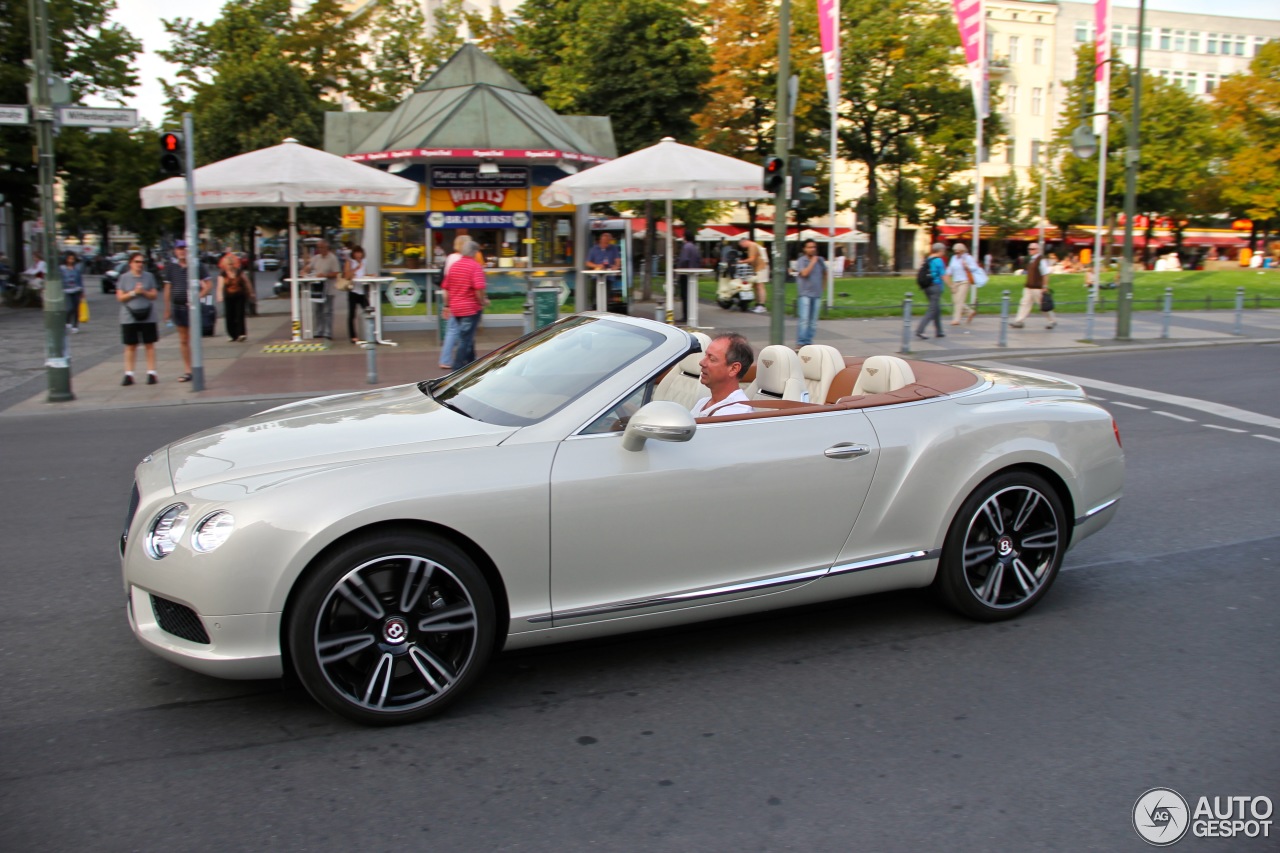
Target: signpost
{"x": 15, "y": 114}
{"x": 70, "y": 116}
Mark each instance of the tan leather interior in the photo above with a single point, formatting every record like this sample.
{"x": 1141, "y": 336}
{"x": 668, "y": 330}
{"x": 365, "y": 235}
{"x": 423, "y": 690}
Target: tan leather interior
{"x": 683, "y": 383}
{"x": 779, "y": 376}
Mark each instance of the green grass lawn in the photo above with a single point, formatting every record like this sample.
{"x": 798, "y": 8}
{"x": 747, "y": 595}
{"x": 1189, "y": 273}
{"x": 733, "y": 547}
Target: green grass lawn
{"x": 881, "y": 296}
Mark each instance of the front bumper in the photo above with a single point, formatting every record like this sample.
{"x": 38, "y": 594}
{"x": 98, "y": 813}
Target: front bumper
{"x": 242, "y": 647}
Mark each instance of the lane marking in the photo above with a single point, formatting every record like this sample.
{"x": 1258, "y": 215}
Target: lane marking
{"x": 1220, "y": 410}
{"x": 1267, "y": 437}
{"x": 1175, "y": 417}
{"x": 1224, "y": 429}
{"x": 1128, "y": 405}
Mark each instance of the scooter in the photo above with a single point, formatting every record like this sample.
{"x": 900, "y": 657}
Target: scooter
{"x": 737, "y": 292}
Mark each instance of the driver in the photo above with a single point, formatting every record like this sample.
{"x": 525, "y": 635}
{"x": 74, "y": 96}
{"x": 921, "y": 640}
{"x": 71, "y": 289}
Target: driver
{"x": 727, "y": 359}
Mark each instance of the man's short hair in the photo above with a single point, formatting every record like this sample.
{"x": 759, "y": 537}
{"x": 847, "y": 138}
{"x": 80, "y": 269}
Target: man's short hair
{"x": 940, "y": 248}
{"x": 470, "y": 248}
{"x": 739, "y": 350}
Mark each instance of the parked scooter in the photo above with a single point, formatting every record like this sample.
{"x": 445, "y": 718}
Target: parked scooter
{"x": 737, "y": 291}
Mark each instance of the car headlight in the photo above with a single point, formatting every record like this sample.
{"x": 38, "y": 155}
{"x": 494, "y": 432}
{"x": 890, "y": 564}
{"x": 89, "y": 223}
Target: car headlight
{"x": 213, "y": 530}
{"x": 166, "y": 531}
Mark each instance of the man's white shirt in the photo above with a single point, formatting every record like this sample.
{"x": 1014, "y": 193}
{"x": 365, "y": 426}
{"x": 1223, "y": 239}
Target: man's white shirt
{"x": 735, "y": 404}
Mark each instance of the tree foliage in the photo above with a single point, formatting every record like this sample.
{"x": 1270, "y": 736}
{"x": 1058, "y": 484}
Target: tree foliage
{"x": 1248, "y": 108}
{"x": 403, "y": 52}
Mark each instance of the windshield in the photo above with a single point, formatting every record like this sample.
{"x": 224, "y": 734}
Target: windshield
{"x": 535, "y": 376}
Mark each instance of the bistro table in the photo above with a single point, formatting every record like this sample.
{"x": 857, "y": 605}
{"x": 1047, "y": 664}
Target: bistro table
{"x": 374, "y": 285}
{"x": 602, "y": 286}
{"x": 691, "y": 294}
{"x": 310, "y": 294}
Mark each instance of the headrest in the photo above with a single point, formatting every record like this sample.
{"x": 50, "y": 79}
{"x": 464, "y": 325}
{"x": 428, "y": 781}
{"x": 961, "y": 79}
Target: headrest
{"x": 691, "y": 364}
{"x": 818, "y": 360}
{"x": 776, "y": 367}
{"x": 882, "y": 373}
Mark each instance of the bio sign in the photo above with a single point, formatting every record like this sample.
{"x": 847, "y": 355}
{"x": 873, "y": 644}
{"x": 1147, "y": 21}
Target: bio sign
{"x": 403, "y": 293}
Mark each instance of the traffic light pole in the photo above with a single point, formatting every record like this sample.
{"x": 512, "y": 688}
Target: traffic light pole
{"x": 57, "y": 361}
{"x": 781, "y": 199}
{"x": 195, "y": 307}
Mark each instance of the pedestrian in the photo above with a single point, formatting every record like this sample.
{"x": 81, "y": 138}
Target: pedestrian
{"x": 137, "y": 294}
{"x": 689, "y": 258}
{"x": 937, "y": 270}
{"x": 357, "y": 299}
{"x": 72, "y": 289}
{"x": 465, "y": 299}
{"x": 962, "y": 273}
{"x": 324, "y": 264}
{"x": 811, "y": 276}
{"x": 451, "y": 323}
{"x": 758, "y": 257}
{"x": 178, "y": 301}
{"x": 233, "y": 293}
{"x": 1038, "y": 269}
{"x": 606, "y": 256}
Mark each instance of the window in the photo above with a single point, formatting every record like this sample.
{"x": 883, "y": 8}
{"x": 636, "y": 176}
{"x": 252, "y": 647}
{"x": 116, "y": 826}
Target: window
{"x": 1239, "y": 46}
{"x": 991, "y": 44}
{"x": 1013, "y": 49}
{"x": 1011, "y": 100}
{"x": 1180, "y": 40}
{"x": 1146, "y": 38}
{"x": 1210, "y": 82}
{"x": 1035, "y": 152}
{"x": 1258, "y": 42}
{"x": 1211, "y": 43}
{"x": 1083, "y": 32}
{"x": 1037, "y": 101}
{"x": 1193, "y": 41}
{"x": 1037, "y": 52}
{"x": 1166, "y": 38}
{"x": 1010, "y": 147}
{"x": 1193, "y": 82}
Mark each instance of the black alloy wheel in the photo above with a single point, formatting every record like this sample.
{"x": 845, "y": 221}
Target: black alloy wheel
{"x": 1004, "y": 548}
{"x": 392, "y": 628}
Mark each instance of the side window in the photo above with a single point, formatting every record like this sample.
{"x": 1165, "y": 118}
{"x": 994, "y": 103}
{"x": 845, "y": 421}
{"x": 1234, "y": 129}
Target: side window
{"x": 615, "y": 419}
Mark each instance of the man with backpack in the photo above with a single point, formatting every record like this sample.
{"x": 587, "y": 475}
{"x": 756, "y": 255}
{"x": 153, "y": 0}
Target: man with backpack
{"x": 929, "y": 277}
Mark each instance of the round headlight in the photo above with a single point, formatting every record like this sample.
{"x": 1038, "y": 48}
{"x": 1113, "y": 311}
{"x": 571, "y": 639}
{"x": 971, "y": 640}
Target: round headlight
{"x": 212, "y": 531}
{"x": 166, "y": 531}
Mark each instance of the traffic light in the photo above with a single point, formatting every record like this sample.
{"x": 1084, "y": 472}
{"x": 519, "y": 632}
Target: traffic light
{"x": 172, "y": 156}
{"x": 773, "y": 176}
{"x": 802, "y": 177}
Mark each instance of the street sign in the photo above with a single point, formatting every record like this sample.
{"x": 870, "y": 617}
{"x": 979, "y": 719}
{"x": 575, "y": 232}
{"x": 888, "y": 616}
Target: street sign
{"x": 14, "y": 114}
{"x": 97, "y": 117}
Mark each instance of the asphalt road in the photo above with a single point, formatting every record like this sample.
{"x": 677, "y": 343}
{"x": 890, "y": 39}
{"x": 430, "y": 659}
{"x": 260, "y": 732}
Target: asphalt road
{"x": 882, "y": 723}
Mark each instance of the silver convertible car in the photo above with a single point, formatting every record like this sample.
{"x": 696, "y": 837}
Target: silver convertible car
{"x": 383, "y": 545}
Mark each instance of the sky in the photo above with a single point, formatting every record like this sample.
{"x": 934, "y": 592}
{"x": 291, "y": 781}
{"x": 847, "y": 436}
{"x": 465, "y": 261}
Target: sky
{"x": 142, "y": 18}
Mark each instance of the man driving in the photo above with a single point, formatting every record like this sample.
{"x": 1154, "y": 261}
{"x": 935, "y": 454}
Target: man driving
{"x": 725, "y": 362}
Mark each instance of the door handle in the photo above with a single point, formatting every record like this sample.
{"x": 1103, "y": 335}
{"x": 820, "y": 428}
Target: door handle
{"x": 845, "y": 450}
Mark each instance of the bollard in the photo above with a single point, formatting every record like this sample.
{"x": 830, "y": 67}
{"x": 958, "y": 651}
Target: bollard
{"x": 1003, "y": 340}
{"x": 1090, "y": 307}
{"x": 371, "y": 347}
{"x": 1168, "y": 312}
{"x": 906, "y": 324}
{"x": 1239, "y": 329}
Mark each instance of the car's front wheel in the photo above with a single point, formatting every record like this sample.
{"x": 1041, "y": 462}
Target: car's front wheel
{"x": 391, "y": 628}
{"x": 1004, "y": 548}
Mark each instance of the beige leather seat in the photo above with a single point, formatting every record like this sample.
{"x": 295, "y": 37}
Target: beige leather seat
{"x": 881, "y": 373}
{"x": 778, "y": 375}
{"x": 820, "y": 364}
{"x": 683, "y": 383}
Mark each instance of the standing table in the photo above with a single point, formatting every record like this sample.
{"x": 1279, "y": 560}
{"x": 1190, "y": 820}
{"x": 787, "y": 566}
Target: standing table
{"x": 374, "y": 285}
{"x": 602, "y": 286}
{"x": 308, "y": 295}
{"x": 691, "y": 293}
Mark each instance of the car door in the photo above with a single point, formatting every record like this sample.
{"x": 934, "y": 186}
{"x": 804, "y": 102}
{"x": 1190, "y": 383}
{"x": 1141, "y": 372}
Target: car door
{"x": 742, "y": 504}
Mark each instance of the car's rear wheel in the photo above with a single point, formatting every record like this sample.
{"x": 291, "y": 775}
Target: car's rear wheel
{"x": 1004, "y": 548}
{"x": 391, "y": 628}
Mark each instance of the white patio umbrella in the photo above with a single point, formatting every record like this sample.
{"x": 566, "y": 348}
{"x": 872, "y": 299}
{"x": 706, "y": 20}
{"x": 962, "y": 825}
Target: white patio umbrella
{"x": 663, "y": 172}
{"x": 285, "y": 175}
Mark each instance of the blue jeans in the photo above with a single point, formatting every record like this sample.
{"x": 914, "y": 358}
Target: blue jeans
{"x": 450, "y": 343}
{"x": 466, "y": 351}
{"x": 807, "y": 310}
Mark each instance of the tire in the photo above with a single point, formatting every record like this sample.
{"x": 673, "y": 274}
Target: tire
{"x": 391, "y": 628}
{"x": 1004, "y": 548}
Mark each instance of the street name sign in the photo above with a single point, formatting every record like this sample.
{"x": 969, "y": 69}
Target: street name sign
{"x": 97, "y": 117}
{"x": 14, "y": 114}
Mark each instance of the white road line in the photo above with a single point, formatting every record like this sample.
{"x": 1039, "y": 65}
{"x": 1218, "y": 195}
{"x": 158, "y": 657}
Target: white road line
{"x": 1128, "y": 405}
{"x": 1267, "y": 437}
{"x": 1175, "y": 417}
{"x": 1224, "y": 429}
{"x": 1230, "y": 413}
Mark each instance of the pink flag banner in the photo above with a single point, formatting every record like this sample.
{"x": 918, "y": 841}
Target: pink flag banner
{"x": 829, "y": 32}
{"x": 973, "y": 27}
{"x": 1102, "y": 69}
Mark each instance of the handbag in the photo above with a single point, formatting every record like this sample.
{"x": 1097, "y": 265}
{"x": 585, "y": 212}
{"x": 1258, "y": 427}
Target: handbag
{"x": 342, "y": 283}
{"x": 140, "y": 314}
{"x": 82, "y": 314}
{"x": 1046, "y": 300}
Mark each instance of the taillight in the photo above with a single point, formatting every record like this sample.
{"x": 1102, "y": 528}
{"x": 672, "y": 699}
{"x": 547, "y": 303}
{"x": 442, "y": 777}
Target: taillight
{"x": 1115, "y": 427}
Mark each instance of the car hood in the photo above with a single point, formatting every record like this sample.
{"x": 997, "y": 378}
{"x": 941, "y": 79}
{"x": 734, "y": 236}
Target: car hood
{"x": 328, "y": 431}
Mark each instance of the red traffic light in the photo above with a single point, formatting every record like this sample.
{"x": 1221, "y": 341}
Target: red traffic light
{"x": 171, "y": 156}
{"x": 774, "y": 174}
{"x": 170, "y": 142}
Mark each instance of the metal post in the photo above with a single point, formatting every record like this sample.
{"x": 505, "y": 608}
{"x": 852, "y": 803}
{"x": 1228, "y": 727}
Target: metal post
{"x": 1003, "y": 340}
{"x": 1239, "y": 329}
{"x": 195, "y": 308}
{"x": 1168, "y": 312}
{"x": 906, "y": 323}
{"x": 1089, "y": 315}
{"x": 370, "y": 348}
{"x": 56, "y": 362}
{"x": 1124, "y": 298}
{"x": 782, "y": 147}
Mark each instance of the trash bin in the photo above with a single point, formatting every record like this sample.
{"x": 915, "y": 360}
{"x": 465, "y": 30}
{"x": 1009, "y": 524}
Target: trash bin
{"x": 546, "y": 305}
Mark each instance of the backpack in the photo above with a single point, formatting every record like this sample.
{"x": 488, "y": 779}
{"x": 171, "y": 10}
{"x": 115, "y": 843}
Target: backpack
{"x": 924, "y": 277}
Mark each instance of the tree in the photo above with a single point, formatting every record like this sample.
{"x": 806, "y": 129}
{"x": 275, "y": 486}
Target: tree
{"x": 402, "y": 52}
{"x": 901, "y": 94}
{"x": 1006, "y": 207}
{"x": 1248, "y": 107}
{"x": 94, "y": 56}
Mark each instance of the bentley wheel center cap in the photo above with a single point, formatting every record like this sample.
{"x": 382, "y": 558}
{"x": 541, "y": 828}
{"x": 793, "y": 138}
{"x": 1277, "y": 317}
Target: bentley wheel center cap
{"x": 395, "y": 631}
{"x": 1005, "y": 546}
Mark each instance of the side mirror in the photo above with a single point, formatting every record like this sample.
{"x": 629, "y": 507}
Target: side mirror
{"x": 661, "y": 420}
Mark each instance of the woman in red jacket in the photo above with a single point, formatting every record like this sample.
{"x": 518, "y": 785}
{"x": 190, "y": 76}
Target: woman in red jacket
{"x": 464, "y": 300}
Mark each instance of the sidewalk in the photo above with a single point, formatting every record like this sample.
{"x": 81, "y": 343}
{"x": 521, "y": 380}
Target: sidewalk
{"x": 244, "y": 371}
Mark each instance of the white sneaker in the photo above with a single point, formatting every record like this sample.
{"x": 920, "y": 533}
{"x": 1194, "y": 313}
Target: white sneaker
{"x": 759, "y": 309}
